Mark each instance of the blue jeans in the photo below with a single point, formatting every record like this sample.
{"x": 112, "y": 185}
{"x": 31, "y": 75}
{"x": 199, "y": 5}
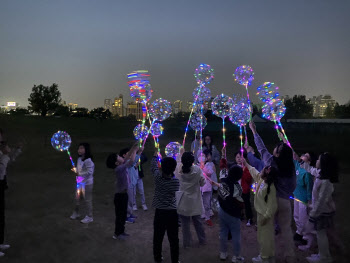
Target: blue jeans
{"x": 233, "y": 224}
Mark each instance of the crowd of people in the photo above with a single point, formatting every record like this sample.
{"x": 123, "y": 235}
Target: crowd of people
{"x": 189, "y": 188}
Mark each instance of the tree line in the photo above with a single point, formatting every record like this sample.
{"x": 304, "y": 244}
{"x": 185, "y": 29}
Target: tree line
{"x": 46, "y": 100}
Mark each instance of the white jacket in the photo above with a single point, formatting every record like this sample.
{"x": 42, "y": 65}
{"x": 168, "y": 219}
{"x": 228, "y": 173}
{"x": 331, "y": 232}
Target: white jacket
{"x": 189, "y": 197}
{"x": 85, "y": 171}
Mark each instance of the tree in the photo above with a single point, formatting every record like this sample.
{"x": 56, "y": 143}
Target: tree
{"x": 80, "y": 112}
{"x": 62, "y": 111}
{"x": 329, "y": 112}
{"x": 19, "y": 111}
{"x": 298, "y": 108}
{"x": 100, "y": 114}
{"x": 44, "y": 99}
{"x": 342, "y": 111}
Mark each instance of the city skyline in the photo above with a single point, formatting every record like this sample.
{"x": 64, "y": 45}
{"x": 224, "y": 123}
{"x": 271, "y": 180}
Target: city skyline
{"x": 89, "y": 49}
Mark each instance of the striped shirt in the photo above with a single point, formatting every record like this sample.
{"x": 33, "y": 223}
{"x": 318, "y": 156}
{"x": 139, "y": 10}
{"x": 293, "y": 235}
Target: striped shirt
{"x": 165, "y": 188}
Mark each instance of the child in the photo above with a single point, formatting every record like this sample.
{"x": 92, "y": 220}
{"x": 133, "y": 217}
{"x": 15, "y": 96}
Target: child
{"x": 121, "y": 166}
{"x": 323, "y": 207}
{"x": 4, "y": 160}
{"x": 85, "y": 181}
{"x": 132, "y": 177}
{"x": 231, "y": 205}
{"x": 303, "y": 198}
{"x": 208, "y": 170}
{"x": 246, "y": 183}
{"x": 265, "y": 203}
{"x": 189, "y": 198}
{"x": 139, "y": 184}
{"x": 164, "y": 201}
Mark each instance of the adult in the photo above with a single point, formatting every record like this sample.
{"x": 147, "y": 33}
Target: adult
{"x": 282, "y": 159}
{"x": 189, "y": 198}
{"x": 208, "y": 144}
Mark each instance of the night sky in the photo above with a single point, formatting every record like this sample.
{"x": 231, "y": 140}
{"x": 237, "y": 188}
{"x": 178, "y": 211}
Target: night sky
{"x": 88, "y": 47}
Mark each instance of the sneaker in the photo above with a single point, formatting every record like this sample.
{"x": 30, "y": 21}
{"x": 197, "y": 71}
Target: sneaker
{"x": 223, "y": 255}
{"x": 211, "y": 212}
{"x": 260, "y": 259}
{"x": 75, "y": 215}
{"x": 304, "y": 248}
{"x": 87, "y": 219}
{"x": 133, "y": 216}
{"x": 134, "y": 208}
{"x": 120, "y": 237}
{"x": 249, "y": 222}
{"x": 209, "y": 222}
{"x": 144, "y": 207}
{"x": 129, "y": 220}
{"x": 297, "y": 237}
{"x": 237, "y": 259}
{"x": 2, "y": 254}
{"x": 4, "y": 246}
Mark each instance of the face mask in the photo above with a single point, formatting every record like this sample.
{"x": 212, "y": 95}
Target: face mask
{"x": 201, "y": 159}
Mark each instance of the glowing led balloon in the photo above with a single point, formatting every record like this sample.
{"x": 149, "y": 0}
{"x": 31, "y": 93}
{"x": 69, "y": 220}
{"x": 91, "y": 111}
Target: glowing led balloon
{"x": 198, "y": 122}
{"x": 240, "y": 113}
{"x": 204, "y": 74}
{"x": 267, "y": 92}
{"x": 221, "y": 105}
{"x": 139, "y": 133}
{"x": 198, "y": 108}
{"x": 202, "y": 93}
{"x": 61, "y": 141}
{"x": 157, "y": 129}
{"x": 160, "y": 109}
{"x": 138, "y": 77}
{"x": 141, "y": 93}
{"x": 173, "y": 149}
{"x": 244, "y": 75}
{"x": 274, "y": 111}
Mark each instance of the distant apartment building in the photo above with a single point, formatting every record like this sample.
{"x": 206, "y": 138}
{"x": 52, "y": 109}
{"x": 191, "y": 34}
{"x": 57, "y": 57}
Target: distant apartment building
{"x": 134, "y": 109}
{"x": 72, "y": 106}
{"x": 177, "y": 107}
{"x": 107, "y": 105}
{"x": 321, "y": 103}
{"x": 118, "y": 106}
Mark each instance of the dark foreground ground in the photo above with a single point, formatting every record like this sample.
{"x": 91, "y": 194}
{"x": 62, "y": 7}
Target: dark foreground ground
{"x": 40, "y": 199}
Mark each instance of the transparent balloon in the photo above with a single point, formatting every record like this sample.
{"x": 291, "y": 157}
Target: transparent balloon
{"x": 204, "y": 74}
{"x": 240, "y": 113}
{"x": 61, "y": 141}
{"x": 267, "y": 92}
{"x": 160, "y": 110}
{"x": 222, "y": 105}
{"x": 140, "y": 132}
{"x": 173, "y": 149}
{"x": 244, "y": 75}
{"x": 138, "y": 77}
{"x": 202, "y": 93}
{"x": 141, "y": 93}
{"x": 274, "y": 111}
{"x": 198, "y": 122}
{"x": 199, "y": 109}
{"x": 157, "y": 129}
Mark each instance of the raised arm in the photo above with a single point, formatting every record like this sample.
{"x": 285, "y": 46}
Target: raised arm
{"x": 253, "y": 172}
{"x": 154, "y": 164}
{"x": 266, "y": 156}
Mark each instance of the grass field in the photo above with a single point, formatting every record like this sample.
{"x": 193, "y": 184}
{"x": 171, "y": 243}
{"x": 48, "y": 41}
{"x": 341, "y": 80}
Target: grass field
{"x": 40, "y": 198}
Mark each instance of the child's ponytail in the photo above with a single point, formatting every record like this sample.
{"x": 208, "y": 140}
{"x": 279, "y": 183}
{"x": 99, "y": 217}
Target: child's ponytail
{"x": 187, "y": 160}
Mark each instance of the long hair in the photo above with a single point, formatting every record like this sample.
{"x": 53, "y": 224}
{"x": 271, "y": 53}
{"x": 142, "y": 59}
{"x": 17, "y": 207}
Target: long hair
{"x": 271, "y": 178}
{"x": 87, "y": 150}
{"x": 211, "y": 142}
{"x": 187, "y": 160}
{"x": 284, "y": 161}
{"x": 235, "y": 173}
{"x": 329, "y": 167}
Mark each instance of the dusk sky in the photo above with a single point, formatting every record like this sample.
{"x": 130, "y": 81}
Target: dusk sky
{"x": 88, "y": 47}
